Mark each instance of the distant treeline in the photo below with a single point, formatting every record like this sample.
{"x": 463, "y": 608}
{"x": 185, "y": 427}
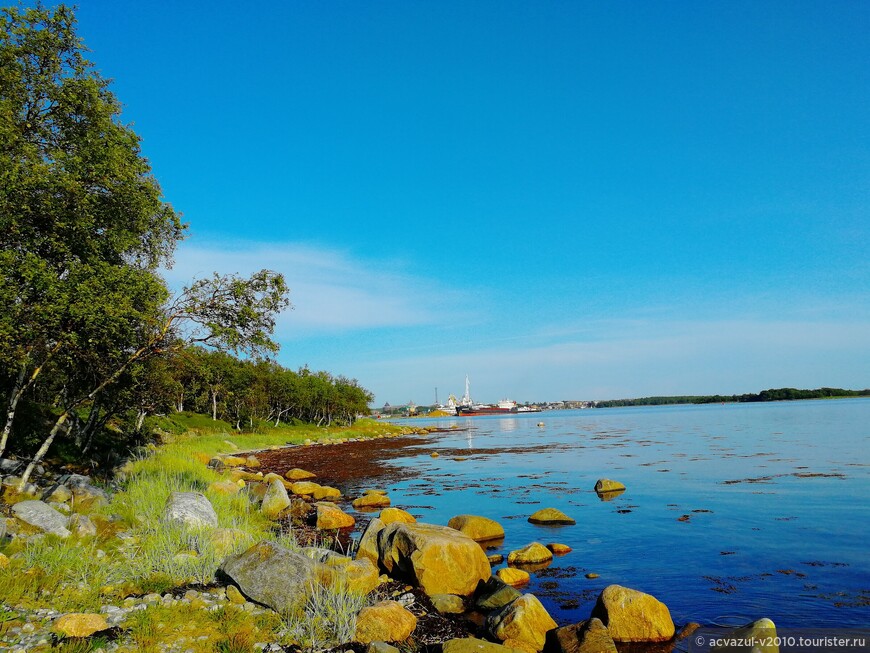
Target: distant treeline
{"x": 779, "y": 394}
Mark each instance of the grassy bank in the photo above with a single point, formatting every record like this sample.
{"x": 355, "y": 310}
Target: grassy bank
{"x": 134, "y": 554}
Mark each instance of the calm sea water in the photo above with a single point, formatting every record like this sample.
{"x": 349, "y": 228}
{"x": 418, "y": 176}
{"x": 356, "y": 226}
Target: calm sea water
{"x": 777, "y": 497}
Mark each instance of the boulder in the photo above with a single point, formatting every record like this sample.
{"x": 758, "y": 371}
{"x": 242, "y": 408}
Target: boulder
{"x": 326, "y": 492}
{"x": 275, "y": 576}
{"x": 513, "y": 577}
{"x": 448, "y": 603}
{"x": 233, "y": 461}
{"x": 224, "y": 487}
{"x": 390, "y": 515}
{"x": 275, "y": 500}
{"x": 550, "y": 516}
{"x": 524, "y": 620}
{"x": 439, "y": 559}
{"x": 361, "y": 576}
{"x": 304, "y": 488}
{"x": 495, "y": 558}
{"x": 42, "y": 517}
{"x": 530, "y": 554}
{"x": 332, "y": 518}
{"x": 368, "y": 543}
{"x": 386, "y": 621}
{"x": 297, "y": 474}
{"x": 190, "y": 509}
{"x": 605, "y": 485}
{"x": 494, "y": 594}
{"x": 479, "y": 529}
{"x": 589, "y": 636}
{"x": 373, "y": 500}
{"x": 762, "y": 631}
{"x": 632, "y": 616}
{"x": 559, "y": 549}
{"x": 474, "y": 645}
{"x": 252, "y": 462}
{"x": 80, "y": 624}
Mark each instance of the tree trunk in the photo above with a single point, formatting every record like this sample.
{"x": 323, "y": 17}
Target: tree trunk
{"x": 140, "y": 420}
{"x": 214, "y": 405}
{"x": 14, "y": 396}
{"x": 43, "y": 449}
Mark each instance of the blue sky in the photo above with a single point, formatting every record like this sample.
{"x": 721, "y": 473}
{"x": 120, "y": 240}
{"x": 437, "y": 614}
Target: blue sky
{"x": 581, "y": 200}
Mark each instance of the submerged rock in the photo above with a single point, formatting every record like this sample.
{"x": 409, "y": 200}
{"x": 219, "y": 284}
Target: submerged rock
{"x": 438, "y": 559}
{"x": 632, "y": 616}
{"x": 551, "y": 516}
{"x": 42, "y": 516}
{"x": 190, "y": 509}
{"x": 479, "y": 529}
{"x": 530, "y": 554}
{"x": 605, "y": 486}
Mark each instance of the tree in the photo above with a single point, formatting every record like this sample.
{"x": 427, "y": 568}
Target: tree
{"x": 83, "y": 230}
{"x": 76, "y": 196}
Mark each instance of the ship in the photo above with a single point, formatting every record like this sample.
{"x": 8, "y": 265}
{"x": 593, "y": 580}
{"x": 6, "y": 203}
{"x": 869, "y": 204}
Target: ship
{"x": 467, "y": 407}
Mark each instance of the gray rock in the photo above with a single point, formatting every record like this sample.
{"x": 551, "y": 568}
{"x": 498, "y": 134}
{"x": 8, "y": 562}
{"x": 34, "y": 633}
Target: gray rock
{"x": 275, "y": 576}
{"x": 448, "y": 603}
{"x": 8, "y": 466}
{"x": 189, "y": 508}
{"x": 42, "y": 516}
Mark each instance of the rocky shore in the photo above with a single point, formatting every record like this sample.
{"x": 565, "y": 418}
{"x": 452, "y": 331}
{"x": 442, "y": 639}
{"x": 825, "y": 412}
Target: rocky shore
{"x": 402, "y": 583}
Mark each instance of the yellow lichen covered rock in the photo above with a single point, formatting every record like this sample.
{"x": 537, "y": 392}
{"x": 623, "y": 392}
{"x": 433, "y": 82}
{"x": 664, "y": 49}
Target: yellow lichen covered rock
{"x": 360, "y": 575}
{"x": 513, "y": 577}
{"x": 386, "y": 621}
{"x": 80, "y": 624}
{"x": 605, "y": 485}
{"x": 233, "y": 461}
{"x": 224, "y": 487}
{"x": 297, "y": 474}
{"x": 530, "y": 554}
{"x": 331, "y": 518}
{"x": 551, "y": 516}
{"x": 373, "y": 500}
{"x": 368, "y": 543}
{"x": 559, "y": 549}
{"x": 524, "y": 620}
{"x": 439, "y": 559}
{"x": 479, "y": 529}
{"x": 304, "y": 488}
{"x": 390, "y": 515}
{"x": 326, "y": 492}
{"x": 275, "y": 500}
{"x": 632, "y": 616}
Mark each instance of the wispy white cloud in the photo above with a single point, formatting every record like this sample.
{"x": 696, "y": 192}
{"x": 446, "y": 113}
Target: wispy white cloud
{"x": 329, "y": 288}
{"x": 635, "y": 358}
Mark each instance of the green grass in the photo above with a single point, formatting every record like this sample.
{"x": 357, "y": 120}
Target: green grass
{"x": 329, "y": 618}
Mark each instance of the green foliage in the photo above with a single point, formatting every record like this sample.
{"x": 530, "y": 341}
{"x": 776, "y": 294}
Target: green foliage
{"x": 328, "y": 619}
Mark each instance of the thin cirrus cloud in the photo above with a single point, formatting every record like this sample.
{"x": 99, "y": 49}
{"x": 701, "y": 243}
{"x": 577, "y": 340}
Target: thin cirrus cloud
{"x": 329, "y": 289}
